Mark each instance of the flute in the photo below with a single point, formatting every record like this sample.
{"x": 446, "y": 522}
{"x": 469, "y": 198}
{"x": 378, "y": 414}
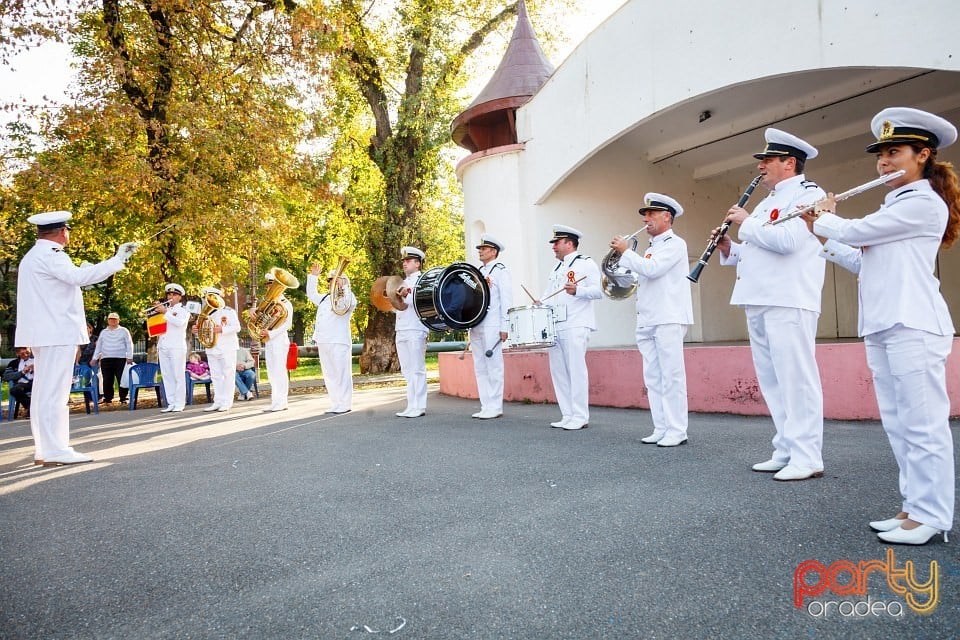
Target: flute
{"x": 705, "y": 257}
{"x": 839, "y": 197}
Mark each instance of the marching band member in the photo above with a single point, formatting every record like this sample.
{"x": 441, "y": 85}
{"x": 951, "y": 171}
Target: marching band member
{"x": 331, "y": 333}
{"x": 577, "y": 279}
{"x": 664, "y": 311}
{"x": 51, "y": 321}
{"x": 222, "y": 357}
{"x": 904, "y": 320}
{"x": 779, "y": 279}
{"x": 276, "y": 345}
{"x": 172, "y": 347}
{"x": 411, "y": 337}
{"x": 491, "y": 334}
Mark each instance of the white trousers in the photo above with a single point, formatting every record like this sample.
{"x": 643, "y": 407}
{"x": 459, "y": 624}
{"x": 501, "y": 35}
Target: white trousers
{"x": 49, "y": 413}
{"x": 909, "y": 375}
{"x": 336, "y": 363}
{"x": 665, "y": 377}
{"x": 275, "y": 350}
{"x": 489, "y": 371}
{"x": 568, "y": 369}
{"x": 412, "y": 351}
{"x": 173, "y": 364}
{"x": 223, "y": 373}
{"x": 783, "y": 345}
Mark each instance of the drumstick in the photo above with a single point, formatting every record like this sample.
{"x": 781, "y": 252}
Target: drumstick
{"x": 489, "y": 352}
{"x": 532, "y": 299}
{"x": 561, "y": 290}
{"x": 464, "y": 352}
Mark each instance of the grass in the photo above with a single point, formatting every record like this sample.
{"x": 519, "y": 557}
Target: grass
{"x": 309, "y": 368}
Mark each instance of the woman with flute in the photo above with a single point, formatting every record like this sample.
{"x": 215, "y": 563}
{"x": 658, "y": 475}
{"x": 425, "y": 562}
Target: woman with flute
{"x": 904, "y": 320}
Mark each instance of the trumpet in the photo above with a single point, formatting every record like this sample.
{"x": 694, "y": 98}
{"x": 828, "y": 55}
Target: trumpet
{"x": 158, "y": 303}
{"x": 617, "y": 282}
{"x": 839, "y": 197}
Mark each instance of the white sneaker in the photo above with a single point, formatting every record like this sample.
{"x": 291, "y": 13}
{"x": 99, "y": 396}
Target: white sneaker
{"x": 249, "y": 395}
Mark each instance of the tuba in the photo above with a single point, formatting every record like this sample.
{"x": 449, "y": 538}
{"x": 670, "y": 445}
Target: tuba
{"x": 619, "y": 283}
{"x": 338, "y": 296}
{"x": 271, "y": 313}
{"x": 205, "y": 333}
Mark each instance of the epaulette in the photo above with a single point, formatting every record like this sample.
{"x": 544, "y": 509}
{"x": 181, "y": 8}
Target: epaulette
{"x": 497, "y": 264}
{"x": 903, "y": 192}
{"x": 810, "y": 184}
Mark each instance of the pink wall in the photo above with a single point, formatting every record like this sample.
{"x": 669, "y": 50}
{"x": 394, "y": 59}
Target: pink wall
{"x": 720, "y": 379}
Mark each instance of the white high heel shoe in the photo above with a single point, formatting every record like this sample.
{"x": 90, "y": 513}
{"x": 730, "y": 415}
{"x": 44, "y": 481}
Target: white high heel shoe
{"x": 887, "y": 525}
{"x": 918, "y": 535}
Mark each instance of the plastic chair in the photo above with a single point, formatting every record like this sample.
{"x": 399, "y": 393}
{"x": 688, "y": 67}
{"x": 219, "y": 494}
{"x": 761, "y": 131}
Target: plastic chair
{"x": 146, "y": 375}
{"x": 85, "y": 379}
{"x": 12, "y": 405}
{"x": 191, "y": 382}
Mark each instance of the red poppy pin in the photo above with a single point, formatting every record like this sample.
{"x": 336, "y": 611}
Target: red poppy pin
{"x": 489, "y": 283}
{"x": 649, "y": 255}
{"x": 571, "y": 276}
{"x": 774, "y": 214}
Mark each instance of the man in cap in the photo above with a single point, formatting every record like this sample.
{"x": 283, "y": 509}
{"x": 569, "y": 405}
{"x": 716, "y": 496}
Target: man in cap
{"x": 276, "y": 346}
{"x": 222, "y": 357}
{"x": 113, "y": 353}
{"x": 172, "y": 347}
{"x": 779, "y": 280}
{"x": 333, "y": 336}
{"x": 664, "y": 311}
{"x": 51, "y": 321}
{"x": 411, "y": 337}
{"x": 571, "y": 289}
{"x": 490, "y": 335}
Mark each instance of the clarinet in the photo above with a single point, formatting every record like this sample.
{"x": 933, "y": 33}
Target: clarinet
{"x": 705, "y": 257}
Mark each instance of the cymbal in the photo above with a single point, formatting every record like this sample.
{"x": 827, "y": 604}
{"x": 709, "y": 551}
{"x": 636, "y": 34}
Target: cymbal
{"x": 378, "y": 294}
{"x": 392, "y": 286}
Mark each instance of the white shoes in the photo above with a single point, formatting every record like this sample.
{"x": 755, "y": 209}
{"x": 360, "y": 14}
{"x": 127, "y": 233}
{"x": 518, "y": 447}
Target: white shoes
{"x": 559, "y": 423}
{"x": 272, "y": 409}
{"x": 887, "y": 525}
{"x": 223, "y": 408}
{"x": 792, "y": 473}
{"x": 213, "y": 407}
{"x": 918, "y": 535}
{"x": 488, "y": 415}
{"x": 769, "y": 466}
{"x": 573, "y": 424}
{"x": 167, "y": 409}
{"x": 67, "y": 458}
{"x": 653, "y": 438}
{"x": 411, "y": 413}
{"x": 177, "y": 408}
{"x": 671, "y": 441}
{"x": 249, "y": 395}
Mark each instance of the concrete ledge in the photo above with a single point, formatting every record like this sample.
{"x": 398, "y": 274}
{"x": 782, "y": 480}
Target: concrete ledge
{"x": 720, "y": 379}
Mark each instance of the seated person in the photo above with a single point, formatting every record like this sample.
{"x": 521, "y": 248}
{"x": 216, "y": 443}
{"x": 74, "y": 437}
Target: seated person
{"x": 19, "y": 373}
{"x": 246, "y": 373}
{"x": 198, "y": 369}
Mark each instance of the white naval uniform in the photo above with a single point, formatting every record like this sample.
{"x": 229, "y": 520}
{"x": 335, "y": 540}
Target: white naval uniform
{"x": 332, "y": 334}
{"x": 411, "y": 339}
{"x": 908, "y": 334}
{"x": 172, "y": 353}
{"x": 275, "y": 350}
{"x": 568, "y": 358}
{"x": 779, "y": 282}
{"x": 664, "y": 311}
{"x": 485, "y": 336}
{"x": 222, "y": 357}
{"x": 51, "y": 321}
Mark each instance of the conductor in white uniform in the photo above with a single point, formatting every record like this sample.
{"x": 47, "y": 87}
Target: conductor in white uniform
{"x": 572, "y": 288}
{"x": 779, "y": 282}
{"x": 491, "y": 334}
{"x": 51, "y": 321}
{"x": 664, "y": 311}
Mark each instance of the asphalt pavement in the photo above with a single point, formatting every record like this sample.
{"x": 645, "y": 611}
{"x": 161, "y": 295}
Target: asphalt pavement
{"x": 301, "y": 524}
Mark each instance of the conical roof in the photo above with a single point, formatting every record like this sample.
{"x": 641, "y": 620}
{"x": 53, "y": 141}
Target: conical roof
{"x": 520, "y": 74}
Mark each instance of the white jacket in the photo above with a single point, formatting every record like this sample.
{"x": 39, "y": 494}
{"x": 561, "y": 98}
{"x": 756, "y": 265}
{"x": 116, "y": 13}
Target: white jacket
{"x": 579, "y": 308}
{"x": 328, "y": 327}
{"x": 663, "y": 290}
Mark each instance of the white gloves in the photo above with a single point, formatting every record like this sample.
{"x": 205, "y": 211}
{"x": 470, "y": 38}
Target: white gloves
{"x": 126, "y": 250}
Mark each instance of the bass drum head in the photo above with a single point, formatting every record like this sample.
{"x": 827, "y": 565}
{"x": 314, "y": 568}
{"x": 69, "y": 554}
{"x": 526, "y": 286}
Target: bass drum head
{"x": 454, "y": 297}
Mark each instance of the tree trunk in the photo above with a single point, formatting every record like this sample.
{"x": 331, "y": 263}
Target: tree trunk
{"x": 379, "y": 353}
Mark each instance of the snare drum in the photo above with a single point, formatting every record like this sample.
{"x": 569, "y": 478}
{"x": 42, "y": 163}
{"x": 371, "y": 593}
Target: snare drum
{"x": 454, "y": 297}
{"x": 531, "y": 328}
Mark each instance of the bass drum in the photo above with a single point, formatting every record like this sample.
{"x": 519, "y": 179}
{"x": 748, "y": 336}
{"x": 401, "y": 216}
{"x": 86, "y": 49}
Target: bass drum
{"x": 454, "y": 297}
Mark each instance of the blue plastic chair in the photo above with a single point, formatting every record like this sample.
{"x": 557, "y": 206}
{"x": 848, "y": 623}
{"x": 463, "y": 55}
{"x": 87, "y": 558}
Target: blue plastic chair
{"x": 146, "y": 375}
{"x": 191, "y": 382}
{"x": 85, "y": 379}
{"x": 12, "y": 405}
